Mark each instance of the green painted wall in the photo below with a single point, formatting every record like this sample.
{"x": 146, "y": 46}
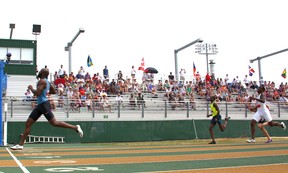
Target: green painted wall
{"x": 136, "y": 131}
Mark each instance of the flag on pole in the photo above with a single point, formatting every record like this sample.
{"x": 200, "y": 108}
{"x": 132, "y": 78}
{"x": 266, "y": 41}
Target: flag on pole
{"x": 284, "y": 73}
{"x": 251, "y": 71}
{"x": 194, "y": 69}
{"x": 89, "y": 61}
{"x": 142, "y": 65}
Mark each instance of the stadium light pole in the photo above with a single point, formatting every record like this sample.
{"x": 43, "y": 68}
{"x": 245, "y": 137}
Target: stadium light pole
{"x": 68, "y": 48}
{"x": 206, "y": 49}
{"x": 265, "y": 56}
{"x": 199, "y": 40}
{"x": 11, "y": 26}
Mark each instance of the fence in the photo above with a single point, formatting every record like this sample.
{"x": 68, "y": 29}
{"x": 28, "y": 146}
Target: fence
{"x": 20, "y": 108}
{"x": 156, "y": 120}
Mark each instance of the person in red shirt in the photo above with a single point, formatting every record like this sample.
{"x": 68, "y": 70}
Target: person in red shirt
{"x": 198, "y": 77}
{"x": 207, "y": 78}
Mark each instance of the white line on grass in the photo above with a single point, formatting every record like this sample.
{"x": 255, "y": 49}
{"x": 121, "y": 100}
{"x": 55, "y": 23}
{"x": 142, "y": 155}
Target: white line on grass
{"x": 18, "y": 162}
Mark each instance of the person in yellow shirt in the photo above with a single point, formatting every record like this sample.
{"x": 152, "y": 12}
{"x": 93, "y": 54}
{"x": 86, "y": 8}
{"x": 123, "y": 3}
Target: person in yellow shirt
{"x": 216, "y": 118}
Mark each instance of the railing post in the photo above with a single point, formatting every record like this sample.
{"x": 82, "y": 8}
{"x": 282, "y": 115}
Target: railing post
{"x": 11, "y": 107}
{"x": 207, "y": 108}
{"x": 142, "y": 110}
{"x": 165, "y": 112}
{"x": 187, "y": 106}
{"x": 93, "y": 108}
{"x": 246, "y": 112}
{"x": 118, "y": 107}
{"x": 278, "y": 109}
{"x": 226, "y": 107}
{"x": 68, "y": 104}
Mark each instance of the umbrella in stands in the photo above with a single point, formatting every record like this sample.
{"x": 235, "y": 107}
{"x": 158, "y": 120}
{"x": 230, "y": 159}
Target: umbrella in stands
{"x": 150, "y": 70}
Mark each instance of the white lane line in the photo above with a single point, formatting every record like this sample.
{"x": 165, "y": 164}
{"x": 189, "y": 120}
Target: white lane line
{"x": 18, "y": 162}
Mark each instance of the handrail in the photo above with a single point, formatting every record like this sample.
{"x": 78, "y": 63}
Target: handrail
{"x": 161, "y": 108}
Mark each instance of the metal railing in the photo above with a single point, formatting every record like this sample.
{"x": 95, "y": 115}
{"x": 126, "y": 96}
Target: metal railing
{"x": 150, "y": 109}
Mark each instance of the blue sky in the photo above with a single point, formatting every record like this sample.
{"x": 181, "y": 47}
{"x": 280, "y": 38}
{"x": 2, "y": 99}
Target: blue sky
{"x": 120, "y": 33}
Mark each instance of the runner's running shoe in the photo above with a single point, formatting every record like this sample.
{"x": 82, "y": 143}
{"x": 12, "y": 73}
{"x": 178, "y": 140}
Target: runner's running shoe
{"x": 251, "y": 140}
{"x": 16, "y": 147}
{"x": 283, "y": 125}
{"x": 212, "y": 142}
{"x": 80, "y": 131}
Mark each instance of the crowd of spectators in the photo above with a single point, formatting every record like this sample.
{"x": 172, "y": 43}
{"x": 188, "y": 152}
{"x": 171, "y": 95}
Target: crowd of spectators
{"x": 82, "y": 88}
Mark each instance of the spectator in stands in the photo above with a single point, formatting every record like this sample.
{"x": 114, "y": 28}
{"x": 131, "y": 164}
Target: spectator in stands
{"x": 81, "y": 71}
{"x": 79, "y": 76}
{"x": 240, "y": 98}
{"x": 189, "y": 89}
{"x": 94, "y": 78}
{"x": 105, "y": 103}
{"x": 121, "y": 86}
{"x": 229, "y": 98}
{"x": 261, "y": 82}
{"x": 253, "y": 85}
{"x": 113, "y": 86}
{"x": 207, "y": 78}
{"x": 160, "y": 86}
{"x": 55, "y": 76}
{"x": 182, "y": 91}
{"x": 87, "y": 77}
{"x": 133, "y": 72}
{"x": 69, "y": 92}
{"x": 28, "y": 95}
{"x": 52, "y": 102}
{"x": 61, "y": 99}
{"x": 140, "y": 100}
{"x": 61, "y": 71}
{"x": 88, "y": 102}
{"x": 171, "y": 77}
{"x": 77, "y": 103}
{"x": 126, "y": 87}
{"x": 144, "y": 77}
{"x": 133, "y": 85}
{"x": 192, "y": 102}
{"x": 71, "y": 77}
{"x": 60, "y": 88}
{"x": 181, "y": 100}
{"x": 246, "y": 81}
{"x": 198, "y": 77}
{"x": 218, "y": 96}
{"x": 132, "y": 101}
{"x": 120, "y": 76}
{"x": 119, "y": 100}
{"x": 182, "y": 74}
{"x": 283, "y": 101}
{"x": 172, "y": 100}
{"x": 276, "y": 95}
{"x": 106, "y": 73}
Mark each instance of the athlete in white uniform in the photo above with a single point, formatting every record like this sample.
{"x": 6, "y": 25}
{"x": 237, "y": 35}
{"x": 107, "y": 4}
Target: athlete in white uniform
{"x": 262, "y": 112}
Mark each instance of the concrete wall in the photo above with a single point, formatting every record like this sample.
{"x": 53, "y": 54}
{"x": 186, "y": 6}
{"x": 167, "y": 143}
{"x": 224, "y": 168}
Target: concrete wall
{"x": 135, "y": 131}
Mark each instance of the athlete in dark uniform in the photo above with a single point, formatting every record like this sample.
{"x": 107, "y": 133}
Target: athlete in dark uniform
{"x": 43, "y": 107}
